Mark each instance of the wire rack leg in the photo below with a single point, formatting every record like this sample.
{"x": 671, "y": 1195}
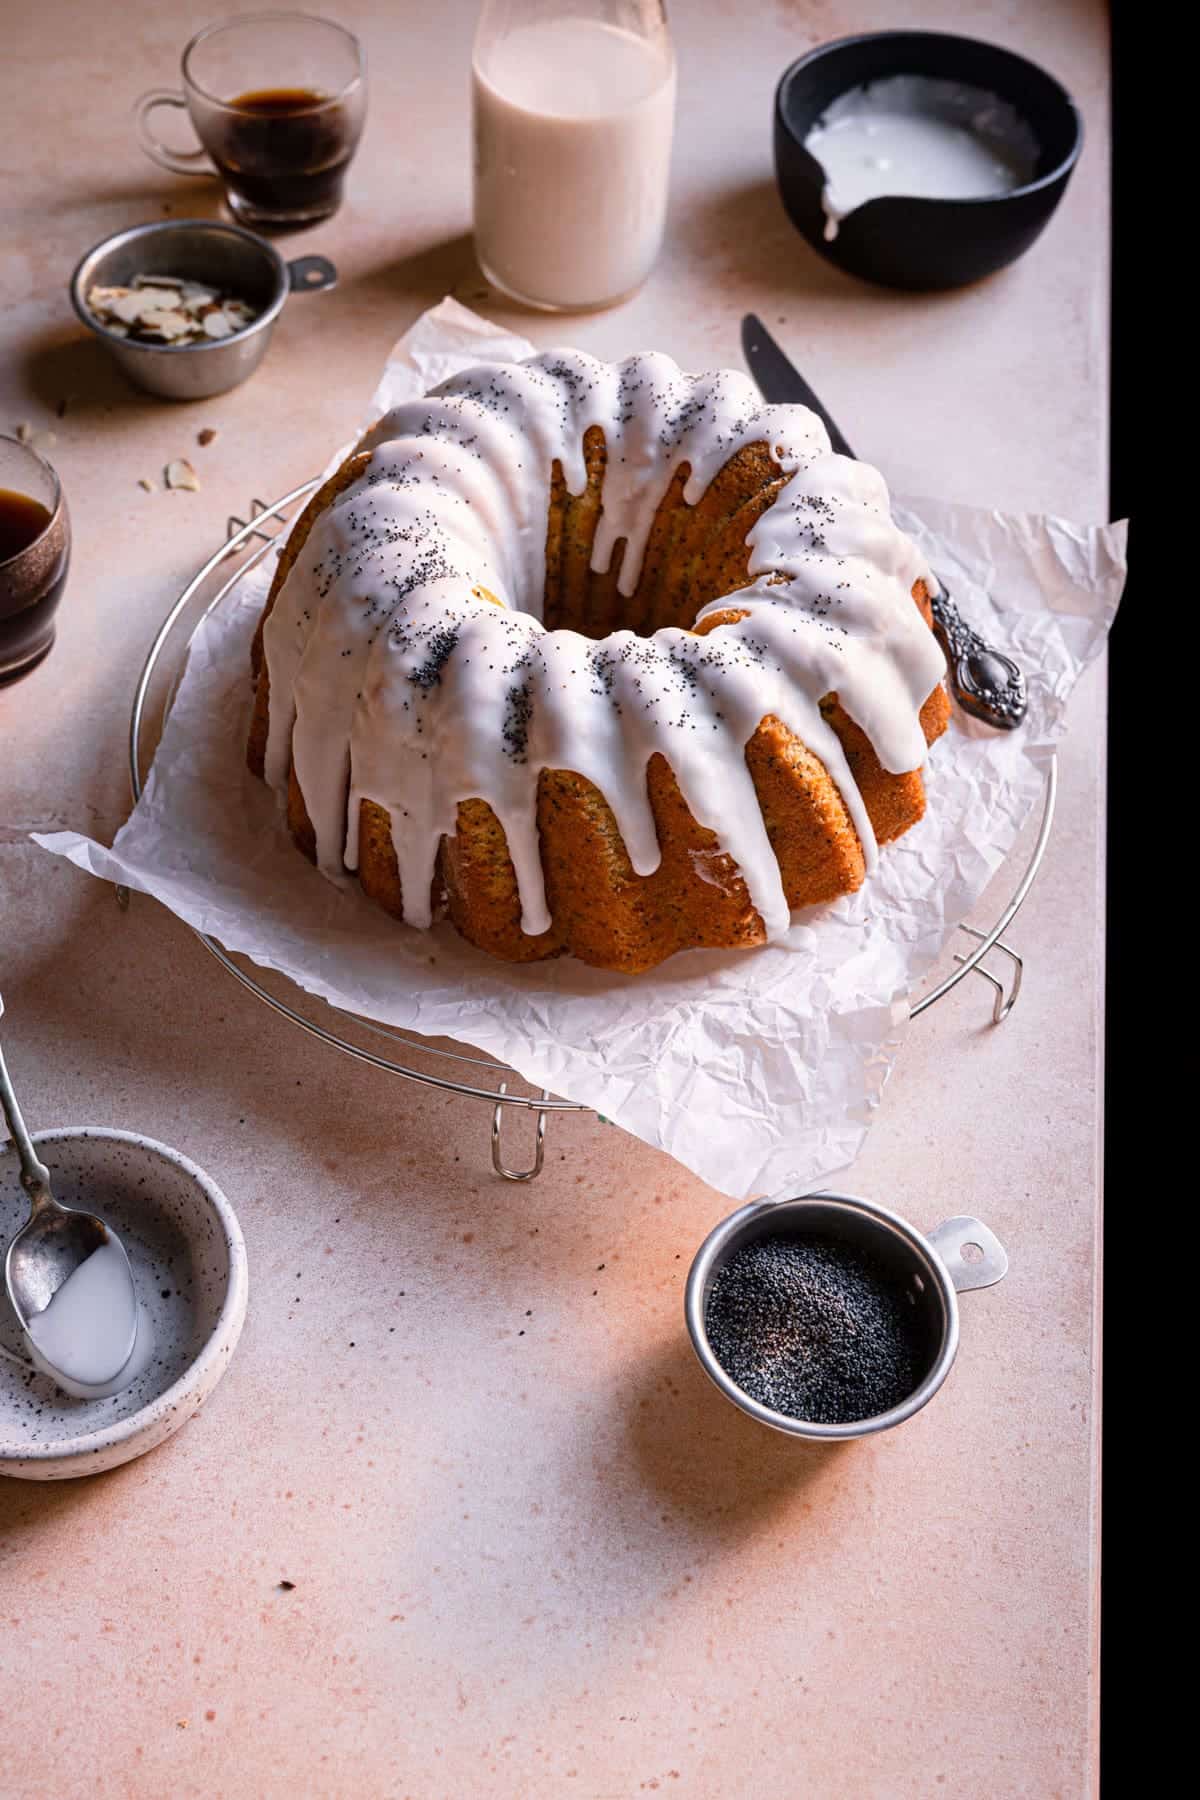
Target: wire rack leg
{"x": 241, "y": 530}
{"x": 1004, "y": 999}
{"x": 539, "y": 1147}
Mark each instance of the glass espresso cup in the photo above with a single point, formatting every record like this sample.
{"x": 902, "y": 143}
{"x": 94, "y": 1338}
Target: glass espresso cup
{"x": 278, "y": 102}
{"x": 35, "y": 548}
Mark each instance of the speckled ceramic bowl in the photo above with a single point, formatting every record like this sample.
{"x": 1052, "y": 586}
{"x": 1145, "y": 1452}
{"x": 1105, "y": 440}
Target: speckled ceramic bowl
{"x": 189, "y": 1262}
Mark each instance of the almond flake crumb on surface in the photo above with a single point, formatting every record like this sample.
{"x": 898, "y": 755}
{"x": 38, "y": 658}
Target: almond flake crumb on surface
{"x": 180, "y": 474}
{"x": 143, "y": 483}
{"x": 37, "y": 440}
{"x": 207, "y": 435}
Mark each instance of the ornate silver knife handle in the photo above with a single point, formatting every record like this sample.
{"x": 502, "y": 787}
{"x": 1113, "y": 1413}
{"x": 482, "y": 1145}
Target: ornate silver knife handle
{"x": 986, "y": 683}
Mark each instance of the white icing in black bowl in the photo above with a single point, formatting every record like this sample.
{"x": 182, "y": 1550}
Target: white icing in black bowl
{"x": 921, "y": 242}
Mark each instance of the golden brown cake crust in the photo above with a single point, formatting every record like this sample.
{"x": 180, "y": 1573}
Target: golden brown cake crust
{"x": 602, "y": 911}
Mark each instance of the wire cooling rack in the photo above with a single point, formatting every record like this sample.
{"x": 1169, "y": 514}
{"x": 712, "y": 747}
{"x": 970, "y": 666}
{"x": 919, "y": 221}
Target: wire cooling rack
{"x": 453, "y": 1070}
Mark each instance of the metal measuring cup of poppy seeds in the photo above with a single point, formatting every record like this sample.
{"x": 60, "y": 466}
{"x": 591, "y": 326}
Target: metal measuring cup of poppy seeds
{"x": 830, "y": 1317}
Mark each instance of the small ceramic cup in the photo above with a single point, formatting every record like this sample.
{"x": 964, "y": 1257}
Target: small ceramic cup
{"x": 934, "y": 1267}
{"x": 189, "y": 1264}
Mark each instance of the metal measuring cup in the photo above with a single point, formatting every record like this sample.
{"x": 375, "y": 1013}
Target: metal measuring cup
{"x": 934, "y": 1268}
{"x": 228, "y": 258}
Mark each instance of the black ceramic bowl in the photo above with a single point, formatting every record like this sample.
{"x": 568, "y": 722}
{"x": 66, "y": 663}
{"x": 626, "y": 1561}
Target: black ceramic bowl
{"x": 900, "y": 241}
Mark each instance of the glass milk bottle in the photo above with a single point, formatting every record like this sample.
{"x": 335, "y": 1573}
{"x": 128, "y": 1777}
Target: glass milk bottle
{"x": 574, "y": 110}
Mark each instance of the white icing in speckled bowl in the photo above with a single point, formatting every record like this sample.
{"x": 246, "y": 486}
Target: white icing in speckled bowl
{"x": 189, "y": 1263}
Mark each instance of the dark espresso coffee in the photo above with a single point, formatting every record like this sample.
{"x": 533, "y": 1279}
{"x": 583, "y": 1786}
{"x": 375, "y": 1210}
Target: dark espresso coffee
{"x": 22, "y": 520}
{"x": 34, "y": 553}
{"x": 283, "y": 153}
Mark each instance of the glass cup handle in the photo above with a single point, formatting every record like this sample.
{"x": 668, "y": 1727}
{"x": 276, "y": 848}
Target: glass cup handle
{"x": 180, "y": 162}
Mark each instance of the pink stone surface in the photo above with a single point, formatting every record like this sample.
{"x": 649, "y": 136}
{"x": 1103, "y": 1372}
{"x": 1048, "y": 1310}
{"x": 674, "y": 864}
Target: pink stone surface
{"x": 534, "y": 1552}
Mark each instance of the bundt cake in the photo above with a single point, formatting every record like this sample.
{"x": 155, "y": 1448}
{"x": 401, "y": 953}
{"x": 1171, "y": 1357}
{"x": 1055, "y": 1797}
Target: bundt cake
{"x": 609, "y": 660}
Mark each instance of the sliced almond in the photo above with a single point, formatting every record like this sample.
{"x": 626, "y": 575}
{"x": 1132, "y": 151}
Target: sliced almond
{"x": 167, "y": 324}
{"x": 24, "y": 432}
{"x": 180, "y": 474}
{"x": 137, "y": 304}
{"x": 156, "y": 297}
{"x": 216, "y": 325}
{"x": 207, "y": 435}
{"x": 122, "y": 304}
{"x": 143, "y": 483}
{"x": 101, "y": 298}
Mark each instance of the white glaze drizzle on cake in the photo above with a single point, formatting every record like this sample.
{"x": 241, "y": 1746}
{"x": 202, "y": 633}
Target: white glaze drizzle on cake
{"x": 394, "y": 678}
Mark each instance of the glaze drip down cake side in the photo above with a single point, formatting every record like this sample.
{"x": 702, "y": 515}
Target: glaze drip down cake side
{"x": 599, "y": 659}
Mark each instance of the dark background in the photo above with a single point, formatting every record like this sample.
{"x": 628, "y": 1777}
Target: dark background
{"x": 1150, "y": 1032}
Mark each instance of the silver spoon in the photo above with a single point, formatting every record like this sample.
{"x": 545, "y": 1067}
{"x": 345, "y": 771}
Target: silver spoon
{"x": 52, "y": 1244}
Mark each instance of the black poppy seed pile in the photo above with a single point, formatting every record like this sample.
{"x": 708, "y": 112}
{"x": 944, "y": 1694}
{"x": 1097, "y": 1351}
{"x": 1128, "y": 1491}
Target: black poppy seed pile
{"x": 815, "y": 1329}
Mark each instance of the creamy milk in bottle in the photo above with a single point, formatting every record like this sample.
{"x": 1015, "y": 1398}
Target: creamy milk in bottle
{"x": 574, "y": 108}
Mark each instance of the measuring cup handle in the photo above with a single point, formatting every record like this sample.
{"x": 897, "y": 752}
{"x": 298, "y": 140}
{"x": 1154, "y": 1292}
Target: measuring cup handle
{"x": 309, "y": 274}
{"x": 180, "y": 162}
{"x": 973, "y": 1255}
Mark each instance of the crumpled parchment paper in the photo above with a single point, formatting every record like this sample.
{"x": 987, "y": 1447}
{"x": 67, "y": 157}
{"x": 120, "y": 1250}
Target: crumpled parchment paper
{"x": 760, "y": 1069}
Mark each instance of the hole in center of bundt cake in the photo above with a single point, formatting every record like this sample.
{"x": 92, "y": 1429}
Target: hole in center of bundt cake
{"x": 693, "y": 552}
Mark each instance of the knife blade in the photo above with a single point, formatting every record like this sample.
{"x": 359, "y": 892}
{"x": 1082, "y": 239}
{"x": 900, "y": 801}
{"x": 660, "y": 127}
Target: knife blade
{"x": 985, "y": 682}
{"x": 780, "y": 382}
